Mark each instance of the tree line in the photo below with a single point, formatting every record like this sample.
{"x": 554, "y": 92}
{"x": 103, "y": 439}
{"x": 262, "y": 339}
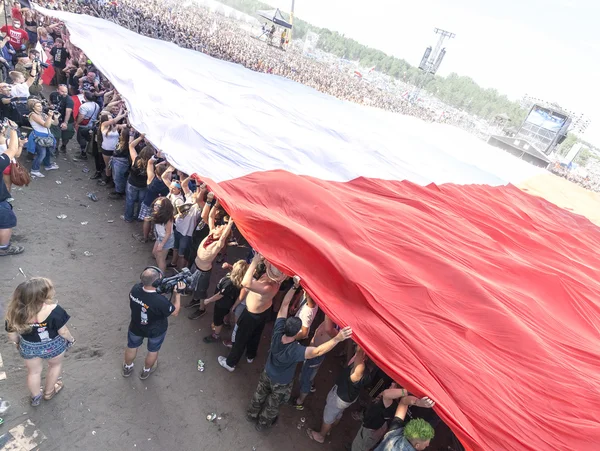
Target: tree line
{"x": 456, "y": 90}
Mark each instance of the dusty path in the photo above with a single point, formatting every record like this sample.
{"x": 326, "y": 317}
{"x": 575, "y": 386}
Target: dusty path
{"x": 99, "y": 409}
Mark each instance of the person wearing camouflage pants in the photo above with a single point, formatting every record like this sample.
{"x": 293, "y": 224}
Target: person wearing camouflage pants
{"x": 275, "y": 383}
{"x": 267, "y": 398}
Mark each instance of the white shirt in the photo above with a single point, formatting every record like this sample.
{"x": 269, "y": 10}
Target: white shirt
{"x": 38, "y": 127}
{"x": 176, "y": 199}
{"x": 19, "y": 90}
{"x": 307, "y": 315}
{"x": 186, "y": 225}
{"x": 89, "y": 110}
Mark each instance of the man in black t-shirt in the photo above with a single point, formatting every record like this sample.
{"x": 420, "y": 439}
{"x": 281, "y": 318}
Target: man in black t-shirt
{"x": 149, "y": 313}
{"x": 65, "y": 130}
{"x": 60, "y": 55}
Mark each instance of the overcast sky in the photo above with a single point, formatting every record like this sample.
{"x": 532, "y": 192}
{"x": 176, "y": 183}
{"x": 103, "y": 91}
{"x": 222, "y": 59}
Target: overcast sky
{"x": 548, "y": 49}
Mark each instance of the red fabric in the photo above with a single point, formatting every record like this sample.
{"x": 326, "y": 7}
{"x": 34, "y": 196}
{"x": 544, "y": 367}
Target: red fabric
{"x": 48, "y": 75}
{"x": 484, "y": 299}
{"x": 77, "y": 101}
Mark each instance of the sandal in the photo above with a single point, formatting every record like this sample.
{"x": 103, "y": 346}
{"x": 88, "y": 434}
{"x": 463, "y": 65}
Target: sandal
{"x": 57, "y": 388}
{"x": 36, "y": 400}
{"x": 11, "y": 250}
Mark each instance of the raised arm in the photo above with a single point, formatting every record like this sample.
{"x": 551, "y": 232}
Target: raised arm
{"x": 150, "y": 170}
{"x": 358, "y": 367}
{"x": 167, "y": 175}
{"x": 226, "y": 232}
{"x": 132, "y": 144}
{"x": 312, "y": 352}
{"x": 285, "y": 305}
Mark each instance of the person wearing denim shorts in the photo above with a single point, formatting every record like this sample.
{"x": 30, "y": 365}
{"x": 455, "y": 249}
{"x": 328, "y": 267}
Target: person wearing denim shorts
{"x": 149, "y": 313}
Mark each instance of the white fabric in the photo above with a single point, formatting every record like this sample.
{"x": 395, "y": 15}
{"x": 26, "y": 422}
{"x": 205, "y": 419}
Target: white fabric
{"x": 223, "y": 121}
{"x": 19, "y": 90}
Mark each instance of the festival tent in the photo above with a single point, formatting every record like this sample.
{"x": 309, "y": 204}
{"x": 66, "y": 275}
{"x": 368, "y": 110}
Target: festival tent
{"x": 275, "y": 16}
{"x": 458, "y": 284}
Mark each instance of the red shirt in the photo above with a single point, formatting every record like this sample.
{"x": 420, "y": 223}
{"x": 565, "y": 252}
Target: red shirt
{"x": 17, "y": 36}
{"x": 17, "y": 14}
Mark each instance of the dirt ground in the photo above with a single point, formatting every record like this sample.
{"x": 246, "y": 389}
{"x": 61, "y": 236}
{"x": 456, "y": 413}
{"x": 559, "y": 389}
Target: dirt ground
{"x": 99, "y": 409}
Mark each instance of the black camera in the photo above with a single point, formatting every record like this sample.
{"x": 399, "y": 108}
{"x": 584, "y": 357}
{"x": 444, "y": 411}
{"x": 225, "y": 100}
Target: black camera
{"x": 39, "y": 61}
{"x": 167, "y": 284}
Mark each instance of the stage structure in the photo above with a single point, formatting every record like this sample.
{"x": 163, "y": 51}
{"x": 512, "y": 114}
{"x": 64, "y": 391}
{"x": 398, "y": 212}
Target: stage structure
{"x": 431, "y": 60}
{"x": 545, "y": 126}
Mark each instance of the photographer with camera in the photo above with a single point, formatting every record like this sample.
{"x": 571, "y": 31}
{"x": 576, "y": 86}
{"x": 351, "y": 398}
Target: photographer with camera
{"x": 41, "y": 141}
{"x": 63, "y": 103}
{"x": 149, "y": 313}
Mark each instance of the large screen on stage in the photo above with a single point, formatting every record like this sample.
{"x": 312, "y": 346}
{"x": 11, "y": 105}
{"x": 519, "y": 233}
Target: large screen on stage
{"x": 546, "y": 119}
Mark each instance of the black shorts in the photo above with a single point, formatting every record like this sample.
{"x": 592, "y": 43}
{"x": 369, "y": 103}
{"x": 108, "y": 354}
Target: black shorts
{"x": 219, "y": 314}
{"x": 108, "y": 153}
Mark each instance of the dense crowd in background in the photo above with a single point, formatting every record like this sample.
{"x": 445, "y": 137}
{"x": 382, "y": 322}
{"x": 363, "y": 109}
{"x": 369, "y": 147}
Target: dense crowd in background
{"x": 190, "y": 232}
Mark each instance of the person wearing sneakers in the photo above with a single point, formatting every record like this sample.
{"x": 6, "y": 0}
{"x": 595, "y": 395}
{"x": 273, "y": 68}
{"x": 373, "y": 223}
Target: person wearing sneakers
{"x": 8, "y": 219}
{"x": 149, "y": 313}
{"x": 36, "y": 324}
{"x": 275, "y": 382}
{"x": 228, "y": 291}
{"x": 258, "y": 310}
{"x": 41, "y": 141}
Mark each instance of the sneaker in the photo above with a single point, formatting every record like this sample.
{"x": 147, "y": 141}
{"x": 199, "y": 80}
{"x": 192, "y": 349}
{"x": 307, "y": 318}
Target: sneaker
{"x": 228, "y": 343}
{"x": 11, "y": 250}
{"x": 147, "y": 372}
{"x": 81, "y": 157}
{"x": 223, "y": 362}
{"x": 115, "y": 195}
{"x": 193, "y": 303}
{"x": 52, "y": 167}
{"x": 126, "y": 371}
{"x": 96, "y": 175}
{"x": 313, "y": 389}
{"x": 37, "y": 174}
{"x": 62, "y": 149}
{"x": 197, "y": 314}
{"x": 249, "y": 360}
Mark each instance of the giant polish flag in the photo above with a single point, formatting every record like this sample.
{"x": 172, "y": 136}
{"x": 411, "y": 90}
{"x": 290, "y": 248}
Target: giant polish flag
{"x": 458, "y": 284}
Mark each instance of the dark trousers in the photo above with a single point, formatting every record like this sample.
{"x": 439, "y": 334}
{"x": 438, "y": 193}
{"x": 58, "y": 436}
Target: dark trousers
{"x": 203, "y": 284}
{"x": 267, "y": 398}
{"x": 84, "y": 136}
{"x": 247, "y": 337}
{"x": 96, "y": 152}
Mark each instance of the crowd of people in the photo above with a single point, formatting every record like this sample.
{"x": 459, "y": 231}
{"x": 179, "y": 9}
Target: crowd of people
{"x": 190, "y": 230}
{"x": 589, "y": 181}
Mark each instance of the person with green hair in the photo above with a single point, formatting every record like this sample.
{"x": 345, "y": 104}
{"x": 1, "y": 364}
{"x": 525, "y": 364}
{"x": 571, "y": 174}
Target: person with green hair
{"x": 412, "y": 436}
